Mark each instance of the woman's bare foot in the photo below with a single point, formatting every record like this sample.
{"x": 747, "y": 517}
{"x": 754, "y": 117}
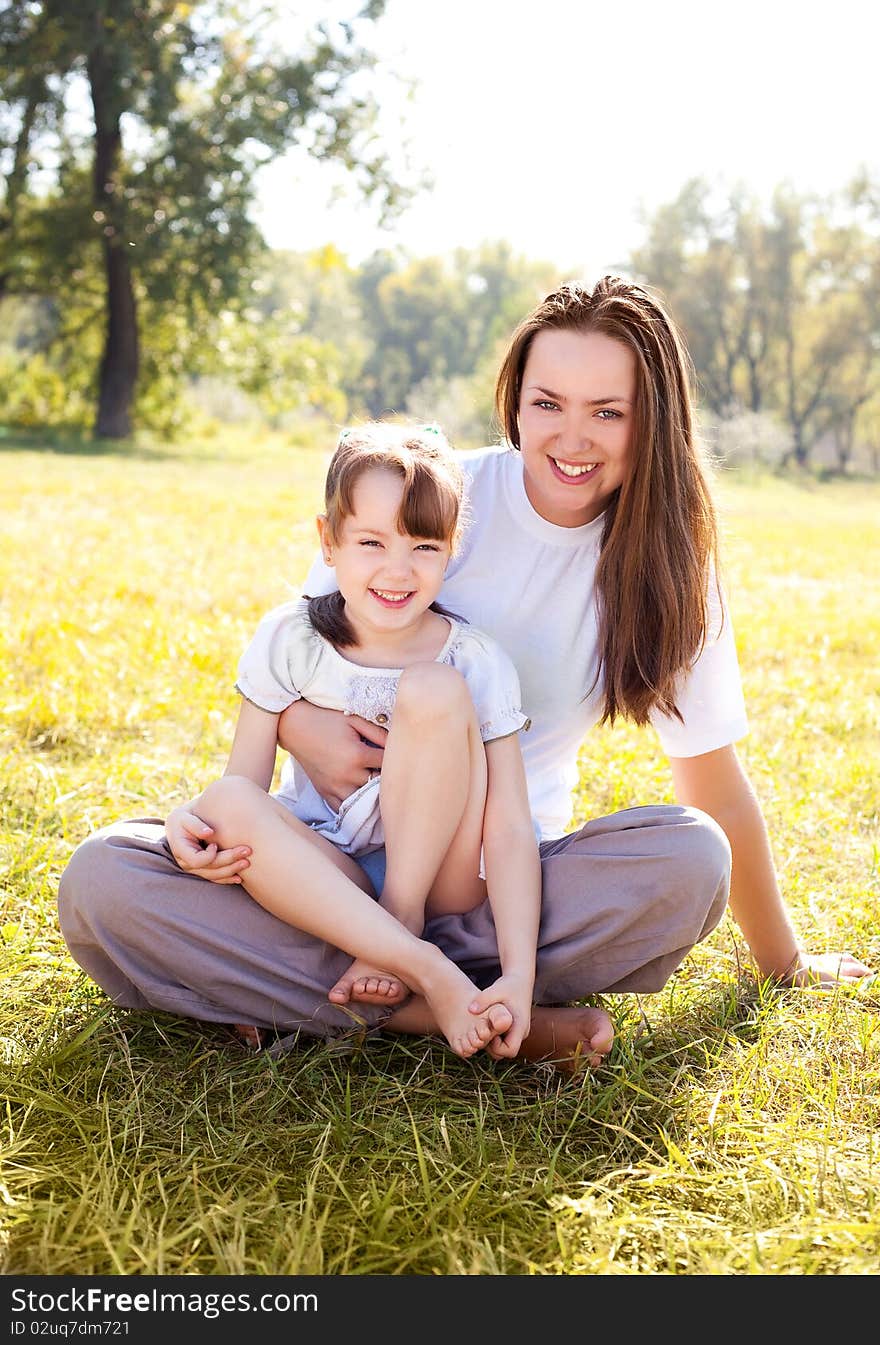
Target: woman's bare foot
{"x": 568, "y": 1036}
{"x": 364, "y": 983}
{"x": 252, "y": 1037}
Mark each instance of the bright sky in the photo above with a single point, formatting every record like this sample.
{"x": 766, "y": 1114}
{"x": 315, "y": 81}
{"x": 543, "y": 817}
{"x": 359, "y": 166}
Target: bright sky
{"x": 553, "y": 123}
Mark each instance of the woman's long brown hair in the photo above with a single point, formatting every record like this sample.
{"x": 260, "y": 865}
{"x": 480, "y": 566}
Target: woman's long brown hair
{"x": 660, "y": 538}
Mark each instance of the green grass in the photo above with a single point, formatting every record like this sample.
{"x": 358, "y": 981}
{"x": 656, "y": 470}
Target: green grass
{"x": 733, "y": 1130}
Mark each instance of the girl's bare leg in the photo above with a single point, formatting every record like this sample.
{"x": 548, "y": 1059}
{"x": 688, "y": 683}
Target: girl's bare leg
{"x": 568, "y": 1036}
{"x": 433, "y": 795}
{"x": 325, "y": 902}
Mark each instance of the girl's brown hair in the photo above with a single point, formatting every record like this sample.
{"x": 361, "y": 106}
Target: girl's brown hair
{"x": 660, "y": 537}
{"x": 432, "y": 505}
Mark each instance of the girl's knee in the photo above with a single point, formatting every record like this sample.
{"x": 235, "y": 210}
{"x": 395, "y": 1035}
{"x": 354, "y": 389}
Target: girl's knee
{"x": 230, "y": 802}
{"x": 427, "y": 691}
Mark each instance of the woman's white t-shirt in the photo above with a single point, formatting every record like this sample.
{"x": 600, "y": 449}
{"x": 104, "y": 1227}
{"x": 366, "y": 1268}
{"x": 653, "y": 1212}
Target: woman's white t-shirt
{"x": 531, "y": 585}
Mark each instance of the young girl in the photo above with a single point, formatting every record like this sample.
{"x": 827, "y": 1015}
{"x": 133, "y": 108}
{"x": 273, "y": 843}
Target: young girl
{"x": 452, "y": 789}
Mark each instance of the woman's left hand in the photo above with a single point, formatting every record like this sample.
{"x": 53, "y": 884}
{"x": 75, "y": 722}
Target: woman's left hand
{"x": 815, "y": 970}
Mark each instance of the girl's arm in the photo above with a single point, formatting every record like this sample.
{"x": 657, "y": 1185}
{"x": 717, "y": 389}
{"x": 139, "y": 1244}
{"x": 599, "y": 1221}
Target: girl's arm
{"x": 253, "y": 745}
{"x": 513, "y": 880}
{"x": 717, "y": 784}
{"x": 189, "y": 838}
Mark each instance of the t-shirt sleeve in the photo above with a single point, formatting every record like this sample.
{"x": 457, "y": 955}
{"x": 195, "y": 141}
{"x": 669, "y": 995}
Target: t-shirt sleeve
{"x": 711, "y": 697}
{"x": 493, "y": 683}
{"x": 280, "y": 660}
{"x": 320, "y": 579}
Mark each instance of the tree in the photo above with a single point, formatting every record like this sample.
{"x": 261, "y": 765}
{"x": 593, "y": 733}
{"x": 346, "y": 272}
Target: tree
{"x": 316, "y": 293}
{"x": 779, "y": 304}
{"x": 435, "y": 319}
{"x": 869, "y": 431}
{"x": 185, "y": 102}
{"x": 826, "y": 319}
{"x": 708, "y": 255}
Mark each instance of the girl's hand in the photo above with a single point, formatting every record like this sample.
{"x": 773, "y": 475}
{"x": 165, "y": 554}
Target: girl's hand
{"x": 330, "y": 748}
{"x": 516, "y": 993}
{"x": 189, "y": 839}
{"x": 818, "y": 970}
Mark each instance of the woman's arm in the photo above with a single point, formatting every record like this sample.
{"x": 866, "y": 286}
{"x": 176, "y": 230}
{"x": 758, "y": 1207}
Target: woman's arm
{"x": 513, "y": 880}
{"x": 717, "y": 784}
{"x": 330, "y": 748}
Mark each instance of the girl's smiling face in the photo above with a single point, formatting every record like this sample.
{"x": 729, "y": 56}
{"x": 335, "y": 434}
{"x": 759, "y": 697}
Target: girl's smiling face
{"x": 387, "y": 578}
{"x": 575, "y": 418}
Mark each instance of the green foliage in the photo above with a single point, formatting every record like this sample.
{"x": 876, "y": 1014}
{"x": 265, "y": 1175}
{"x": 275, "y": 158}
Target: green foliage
{"x": 317, "y": 290}
{"x": 310, "y": 331}
{"x": 33, "y": 393}
{"x": 282, "y": 369}
{"x": 153, "y": 201}
{"x": 209, "y": 95}
{"x": 437, "y": 319}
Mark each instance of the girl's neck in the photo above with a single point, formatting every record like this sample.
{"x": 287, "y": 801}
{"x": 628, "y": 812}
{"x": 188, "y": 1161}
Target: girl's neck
{"x": 420, "y": 642}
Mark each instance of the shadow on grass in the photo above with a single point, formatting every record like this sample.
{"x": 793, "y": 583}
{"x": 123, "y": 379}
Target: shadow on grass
{"x": 589, "y": 1121}
{"x": 79, "y": 443}
{"x": 330, "y": 1140}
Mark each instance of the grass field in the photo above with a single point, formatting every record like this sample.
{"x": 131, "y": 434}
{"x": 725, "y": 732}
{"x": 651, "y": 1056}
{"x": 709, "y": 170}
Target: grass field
{"x": 734, "y": 1129}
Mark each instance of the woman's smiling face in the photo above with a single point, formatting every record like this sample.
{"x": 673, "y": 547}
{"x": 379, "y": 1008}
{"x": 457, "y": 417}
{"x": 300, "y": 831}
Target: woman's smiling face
{"x": 576, "y": 412}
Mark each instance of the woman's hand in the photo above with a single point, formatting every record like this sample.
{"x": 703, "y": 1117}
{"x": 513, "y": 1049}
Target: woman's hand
{"x": 189, "y": 839}
{"x": 330, "y": 748}
{"x": 824, "y": 970}
{"x": 717, "y": 783}
{"x": 516, "y": 993}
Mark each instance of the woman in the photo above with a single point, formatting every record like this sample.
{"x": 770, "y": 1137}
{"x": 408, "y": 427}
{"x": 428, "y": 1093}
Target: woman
{"x": 590, "y": 557}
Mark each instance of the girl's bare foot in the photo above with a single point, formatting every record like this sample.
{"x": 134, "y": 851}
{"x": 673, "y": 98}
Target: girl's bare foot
{"x": 569, "y": 1036}
{"x": 468, "y": 1036}
{"x": 364, "y": 983}
{"x": 448, "y": 994}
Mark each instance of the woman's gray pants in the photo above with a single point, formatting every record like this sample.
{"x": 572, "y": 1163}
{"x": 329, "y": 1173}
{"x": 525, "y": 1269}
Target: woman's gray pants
{"x": 624, "y": 900}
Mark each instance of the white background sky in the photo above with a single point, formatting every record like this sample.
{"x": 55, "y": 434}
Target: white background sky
{"x": 553, "y": 123}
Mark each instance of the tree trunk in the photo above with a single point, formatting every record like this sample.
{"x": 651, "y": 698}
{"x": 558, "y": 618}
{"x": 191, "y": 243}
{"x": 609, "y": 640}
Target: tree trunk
{"x": 796, "y": 422}
{"x": 843, "y": 443}
{"x": 756, "y": 399}
{"x": 755, "y": 355}
{"x": 15, "y": 181}
{"x": 801, "y": 452}
{"x": 119, "y": 362}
